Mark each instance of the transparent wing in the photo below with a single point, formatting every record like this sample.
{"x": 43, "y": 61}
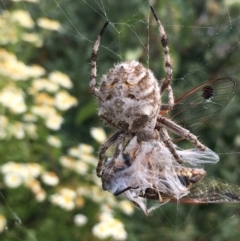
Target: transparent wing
{"x": 200, "y": 105}
{"x": 212, "y": 190}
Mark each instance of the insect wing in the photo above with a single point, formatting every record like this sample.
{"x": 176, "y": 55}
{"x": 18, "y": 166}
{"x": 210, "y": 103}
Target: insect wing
{"x": 212, "y": 190}
{"x": 200, "y": 105}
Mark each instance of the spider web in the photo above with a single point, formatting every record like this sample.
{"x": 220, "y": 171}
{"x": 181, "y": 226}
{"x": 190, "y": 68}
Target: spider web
{"x": 203, "y": 45}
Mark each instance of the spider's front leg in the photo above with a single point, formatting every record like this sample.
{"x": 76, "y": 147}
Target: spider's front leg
{"x": 169, "y": 106}
{"x": 118, "y": 148}
{"x": 166, "y": 83}
{"x": 103, "y": 149}
{"x": 180, "y": 131}
{"x": 93, "y": 77}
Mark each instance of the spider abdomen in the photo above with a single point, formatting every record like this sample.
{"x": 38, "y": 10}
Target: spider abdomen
{"x": 129, "y": 97}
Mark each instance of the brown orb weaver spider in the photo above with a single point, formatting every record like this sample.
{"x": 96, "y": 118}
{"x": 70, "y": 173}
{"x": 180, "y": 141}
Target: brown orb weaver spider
{"x": 129, "y": 98}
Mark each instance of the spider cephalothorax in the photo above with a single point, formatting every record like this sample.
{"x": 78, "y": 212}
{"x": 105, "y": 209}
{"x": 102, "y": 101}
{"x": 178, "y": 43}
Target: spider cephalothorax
{"x": 129, "y": 98}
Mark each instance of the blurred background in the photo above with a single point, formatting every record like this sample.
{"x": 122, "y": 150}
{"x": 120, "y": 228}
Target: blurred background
{"x": 50, "y": 132}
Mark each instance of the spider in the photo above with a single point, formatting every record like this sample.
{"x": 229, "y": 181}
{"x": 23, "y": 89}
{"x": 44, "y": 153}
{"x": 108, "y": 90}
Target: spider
{"x": 129, "y": 98}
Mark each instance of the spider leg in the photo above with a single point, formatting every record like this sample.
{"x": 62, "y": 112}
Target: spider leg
{"x": 180, "y": 131}
{"x": 103, "y": 150}
{"x": 124, "y": 190}
{"x": 120, "y": 139}
{"x": 165, "y": 85}
{"x": 170, "y": 104}
{"x": 169, "y": 144}
{"x": 93, "y": 77}
{"x": 159, "y": 197}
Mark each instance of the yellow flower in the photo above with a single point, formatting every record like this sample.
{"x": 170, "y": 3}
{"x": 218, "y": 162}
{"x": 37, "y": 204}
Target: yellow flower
{"x": 101, "y": 230}
{"x": 6, "y": 56}
{"x": 61, "y": 79}
{"x": 8, "y": 30}
{"x": 81, "y": 150}
{"x": 64, "y": 101}
{"x": 67, "y": 162}
{"x": 34, "y": 185}
{"x": 126, "y": 206}
{"x": 15, "y": 174}
{"x": 14, "y": 69}
{"x": 73, "y": 151}
{"x": 36, "y": 71}
{"x": 68, "y": 193}
{"x": 44, "y": 99}
{"x": 33, "y": 38}
{"x": 13, "y": 180}
{"x": 49, "y": 24}
{"x": 44, "y": 84}
{"x": 17, "y": 70}
{"x": 50, "y": 178}
{"x": 119, "y": 233}
{"x": 40, "y": 196}
{"x": 98, "y": 134}
{"x": 44, "y": 111}
{"x": 34, "y": 169}
{"x": 13, "y": 98}
{"x": 85, "y": 148}
{"x": 54, "y": 141}
{"x": 80, "y": 219}
{"x": 64, "y": 199}
{"x": 23, "y": 18}
{"x": 110, "y": 227}
{"x": 84, "y": 153}
{"x": 80, "y": 167}
{"x": 9, "y": 167}
{"x": 54, "y": 122}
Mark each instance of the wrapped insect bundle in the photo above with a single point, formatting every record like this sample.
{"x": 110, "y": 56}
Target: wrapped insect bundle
{"x": 147, "y": 170}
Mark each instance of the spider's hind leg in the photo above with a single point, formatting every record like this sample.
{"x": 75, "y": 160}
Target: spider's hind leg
{"x": 169, "y": 144}
{"x": 180, "y": 131}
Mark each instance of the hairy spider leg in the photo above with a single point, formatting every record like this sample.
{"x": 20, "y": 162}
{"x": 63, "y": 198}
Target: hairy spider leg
{"x": 103, "y": 149}
{"x": 166, "y": 83}
{"x": 93, "y": 77}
